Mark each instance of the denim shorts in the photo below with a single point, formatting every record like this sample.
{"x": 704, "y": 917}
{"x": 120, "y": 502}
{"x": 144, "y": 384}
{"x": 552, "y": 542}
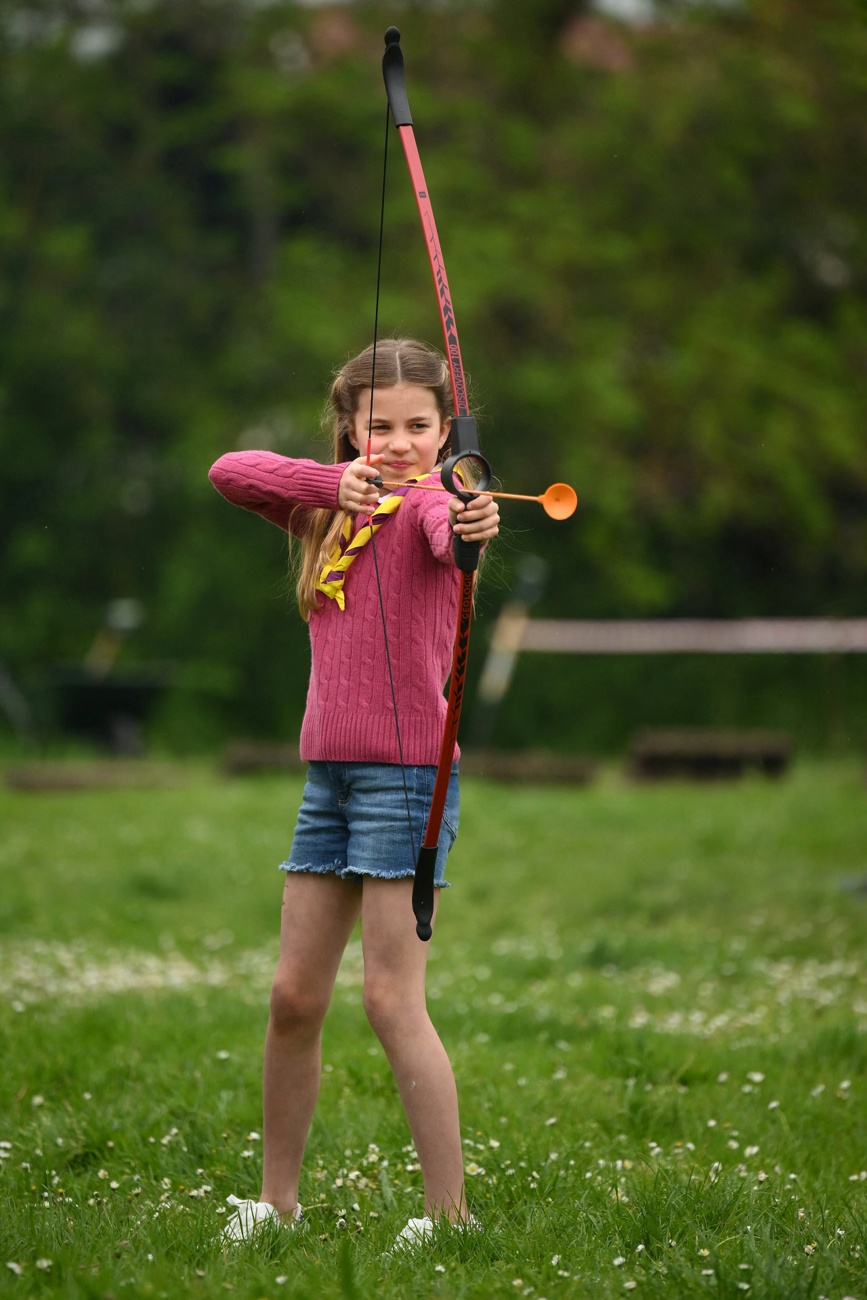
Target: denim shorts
{"x": 353, "y": 821}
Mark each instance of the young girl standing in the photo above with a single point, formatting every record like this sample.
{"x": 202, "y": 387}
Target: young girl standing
{"x": 353, "y": 852}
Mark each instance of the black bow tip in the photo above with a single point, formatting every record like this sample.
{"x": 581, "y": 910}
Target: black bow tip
{"x": 424, "y": 931}
{"x": 392, "y": 36}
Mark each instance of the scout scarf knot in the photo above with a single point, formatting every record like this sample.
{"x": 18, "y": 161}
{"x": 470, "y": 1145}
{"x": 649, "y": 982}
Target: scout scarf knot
{"x": 333, "y": 573}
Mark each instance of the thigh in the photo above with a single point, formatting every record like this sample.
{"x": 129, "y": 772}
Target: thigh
{"x": 319, "y": 912}
{"x": 393, "y": 952}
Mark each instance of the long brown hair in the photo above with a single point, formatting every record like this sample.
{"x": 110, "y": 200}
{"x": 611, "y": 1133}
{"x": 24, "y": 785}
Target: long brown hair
{"x": 397, "y": 361}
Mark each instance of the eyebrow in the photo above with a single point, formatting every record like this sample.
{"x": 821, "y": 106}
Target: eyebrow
{"x": 413, "y": 419}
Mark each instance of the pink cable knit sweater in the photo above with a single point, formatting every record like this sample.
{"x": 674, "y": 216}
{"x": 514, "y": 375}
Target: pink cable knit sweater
{"x": 349, "y": 715}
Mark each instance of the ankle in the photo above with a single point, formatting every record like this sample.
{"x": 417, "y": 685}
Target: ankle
{"x": 286, "y": 1209}
{"x": 455, "y": 1213}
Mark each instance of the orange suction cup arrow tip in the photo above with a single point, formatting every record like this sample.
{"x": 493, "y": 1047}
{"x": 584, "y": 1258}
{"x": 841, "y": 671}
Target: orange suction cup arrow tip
{"x": 559, "y": 501}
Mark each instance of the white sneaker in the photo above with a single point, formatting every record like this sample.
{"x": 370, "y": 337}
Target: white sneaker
{"x": 419, "y": 1231}
{"x": 251, "y": 1217}
{"x": 416, "y": 1233}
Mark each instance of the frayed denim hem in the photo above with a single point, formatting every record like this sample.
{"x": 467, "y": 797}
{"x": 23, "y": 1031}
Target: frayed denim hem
{"x": 355, "y": 874}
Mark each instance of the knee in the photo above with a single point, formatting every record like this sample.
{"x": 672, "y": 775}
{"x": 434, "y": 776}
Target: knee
{"x": 385, "y": 1006}
{"x": 296, "y": 1005}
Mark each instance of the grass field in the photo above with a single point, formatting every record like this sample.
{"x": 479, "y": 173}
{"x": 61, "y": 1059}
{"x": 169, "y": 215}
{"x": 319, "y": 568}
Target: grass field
{"x": 655, "y": 1000}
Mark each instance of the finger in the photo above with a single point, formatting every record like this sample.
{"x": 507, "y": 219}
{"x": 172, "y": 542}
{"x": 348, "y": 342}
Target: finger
{"x": 368, "y": 469}
{"x": 478, "y": 507}
{"x": 475, "y": 530}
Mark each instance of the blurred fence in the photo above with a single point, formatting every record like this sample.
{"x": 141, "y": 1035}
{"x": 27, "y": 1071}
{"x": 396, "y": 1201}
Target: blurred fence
{"x": 692, "y": 636}
{"x": 515, "y": 634}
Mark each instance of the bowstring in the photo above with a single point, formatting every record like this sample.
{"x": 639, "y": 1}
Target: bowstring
{"x": 412, "y": 843}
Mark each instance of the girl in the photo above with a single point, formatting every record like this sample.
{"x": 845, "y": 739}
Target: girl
{"x": 353, "y": 852}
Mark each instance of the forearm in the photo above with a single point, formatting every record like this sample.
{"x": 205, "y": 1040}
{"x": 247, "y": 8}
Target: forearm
{"x": 274, "y": 486}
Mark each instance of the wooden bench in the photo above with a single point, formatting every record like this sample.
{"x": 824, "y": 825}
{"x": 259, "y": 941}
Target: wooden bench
{"x": 533, "y": 766}
{"x": 248, "y": 757}
{"x": 708, "y": 755}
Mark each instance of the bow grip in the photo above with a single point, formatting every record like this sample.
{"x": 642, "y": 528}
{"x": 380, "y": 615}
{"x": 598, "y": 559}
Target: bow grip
{"x": 466, "y": 553}
{"x": 423, "y": 891}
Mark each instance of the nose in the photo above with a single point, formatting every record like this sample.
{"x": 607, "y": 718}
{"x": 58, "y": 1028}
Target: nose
{"x": 399, "y": 439}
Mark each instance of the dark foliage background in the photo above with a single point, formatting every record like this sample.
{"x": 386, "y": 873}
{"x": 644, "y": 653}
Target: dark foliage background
{"x": 656, "y": 242}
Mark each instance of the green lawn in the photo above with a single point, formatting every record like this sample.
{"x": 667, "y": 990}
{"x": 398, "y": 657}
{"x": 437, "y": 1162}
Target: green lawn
{"x": 655, "y": 999}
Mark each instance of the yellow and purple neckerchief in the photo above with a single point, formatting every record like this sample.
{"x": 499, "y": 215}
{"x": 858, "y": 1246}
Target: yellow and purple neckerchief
{"x": 333, "y": 573}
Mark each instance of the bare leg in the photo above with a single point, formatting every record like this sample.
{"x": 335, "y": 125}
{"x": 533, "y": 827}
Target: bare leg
{"x": 394, "y": 999}
{"x": 318, "y": 915}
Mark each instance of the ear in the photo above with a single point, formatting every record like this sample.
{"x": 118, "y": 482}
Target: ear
{"x": 445, "y": 430}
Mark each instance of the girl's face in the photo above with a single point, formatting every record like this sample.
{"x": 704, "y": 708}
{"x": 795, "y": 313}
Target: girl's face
{"x": 406, "y": 429}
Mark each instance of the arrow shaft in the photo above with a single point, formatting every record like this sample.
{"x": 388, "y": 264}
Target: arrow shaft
{"x": 436, "y": 487}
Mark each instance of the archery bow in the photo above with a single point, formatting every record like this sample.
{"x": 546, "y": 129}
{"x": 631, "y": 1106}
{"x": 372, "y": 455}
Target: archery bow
{"x": 559, "y": 500}
{"x": 464, "y": 443}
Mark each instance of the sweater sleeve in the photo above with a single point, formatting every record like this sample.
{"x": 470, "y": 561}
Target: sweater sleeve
{"x": 274, "y": 486}
{"x": 432, "y": 513}
{"x": 435, "y": 523}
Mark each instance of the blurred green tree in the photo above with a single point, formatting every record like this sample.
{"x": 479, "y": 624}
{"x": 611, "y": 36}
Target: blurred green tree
{"x": 656, "y": 241}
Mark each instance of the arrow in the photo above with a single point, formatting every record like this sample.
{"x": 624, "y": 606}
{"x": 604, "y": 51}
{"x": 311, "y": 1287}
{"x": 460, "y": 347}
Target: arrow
{"x": 559, "y": 501}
